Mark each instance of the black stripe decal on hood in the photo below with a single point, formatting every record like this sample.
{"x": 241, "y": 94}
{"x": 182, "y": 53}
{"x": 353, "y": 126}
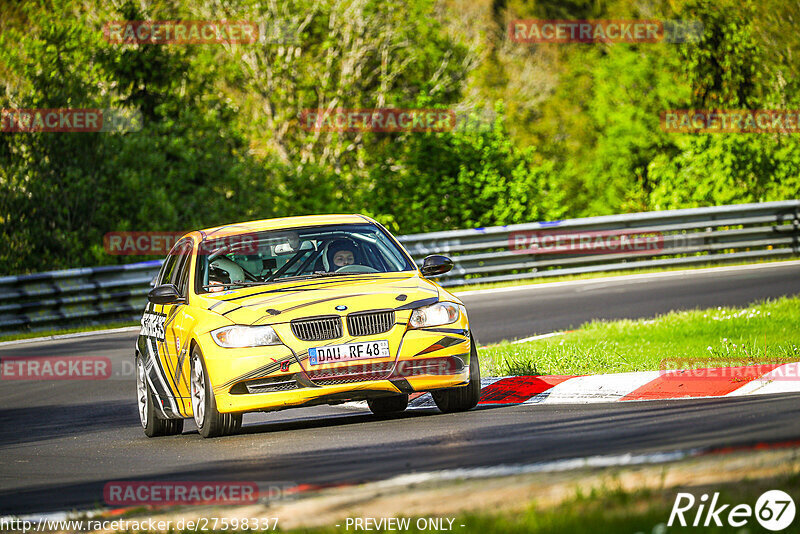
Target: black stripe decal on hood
{"x": 320, "y": 301}
{"x": 418, "y": 304}
{"x": 304, "y": 286}
{"x": 264, "y": 301}
{"x": 259, "y": 303}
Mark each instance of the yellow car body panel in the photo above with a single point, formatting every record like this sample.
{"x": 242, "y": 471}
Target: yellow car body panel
{"x": 420, "y": 359}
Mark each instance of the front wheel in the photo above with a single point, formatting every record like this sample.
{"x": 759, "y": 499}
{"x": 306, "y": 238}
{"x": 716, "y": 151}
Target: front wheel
{"x": 210, "y": 423}
{"x": 462, "y": 398}
{"x": 152, "y": 423}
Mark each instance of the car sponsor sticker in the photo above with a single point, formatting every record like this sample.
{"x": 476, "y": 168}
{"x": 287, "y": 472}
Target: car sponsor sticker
{"x": 153, "y": 326}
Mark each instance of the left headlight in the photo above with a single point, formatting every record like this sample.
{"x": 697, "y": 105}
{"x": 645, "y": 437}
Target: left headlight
{"x": 434, "y": 315}
{"x": 237, "y": 337}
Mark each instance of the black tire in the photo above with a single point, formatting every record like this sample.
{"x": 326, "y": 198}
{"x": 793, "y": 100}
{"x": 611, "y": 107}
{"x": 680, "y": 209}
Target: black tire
{"x": 152, "y": 422}
{"x": 462, "y": 398}
{"x": 210, "y": 423}
{"x": 388, "y": 405}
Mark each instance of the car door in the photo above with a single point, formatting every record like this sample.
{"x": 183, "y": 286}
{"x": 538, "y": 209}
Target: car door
{"x": 176, "y": 331}
{"x": 152, "y": 346}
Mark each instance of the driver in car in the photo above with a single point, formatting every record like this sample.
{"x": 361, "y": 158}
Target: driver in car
{"x": 342, "y": 252}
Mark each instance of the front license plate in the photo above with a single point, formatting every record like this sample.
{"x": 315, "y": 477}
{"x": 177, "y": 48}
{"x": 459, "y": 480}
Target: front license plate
{"x": 348, "y": 351}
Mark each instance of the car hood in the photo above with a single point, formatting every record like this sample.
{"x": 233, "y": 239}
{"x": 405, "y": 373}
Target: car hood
{"x": 282, "y": 302}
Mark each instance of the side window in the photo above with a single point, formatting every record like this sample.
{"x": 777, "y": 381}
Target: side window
{"x": 181, "y": 275}
{"x": 169, "y": 266}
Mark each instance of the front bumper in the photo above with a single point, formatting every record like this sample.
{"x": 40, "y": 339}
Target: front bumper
{"x": 334, "y": 394}
{"x": 423, "y": 360}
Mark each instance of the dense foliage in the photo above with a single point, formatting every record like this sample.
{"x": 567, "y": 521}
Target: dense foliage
{"x": 545, "y": 131}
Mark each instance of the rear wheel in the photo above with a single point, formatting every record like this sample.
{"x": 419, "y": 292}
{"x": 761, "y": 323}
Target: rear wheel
{"x": 388, "y": 405}
{"x": 210, "y": 423}
{"x": 462, "y": 398}
{"x": 152, "y": 423}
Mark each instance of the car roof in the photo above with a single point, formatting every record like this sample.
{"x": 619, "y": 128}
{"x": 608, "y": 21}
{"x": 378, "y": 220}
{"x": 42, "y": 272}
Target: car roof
{"x": 281, "y": 223}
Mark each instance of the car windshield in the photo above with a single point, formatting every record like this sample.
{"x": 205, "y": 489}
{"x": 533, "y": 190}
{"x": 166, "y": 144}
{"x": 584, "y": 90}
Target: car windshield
{"x": 273, "y": 256}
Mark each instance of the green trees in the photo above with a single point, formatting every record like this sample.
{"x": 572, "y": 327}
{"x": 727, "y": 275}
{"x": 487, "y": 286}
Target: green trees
{"x": 593, "y": 110}
{"x": 61, "y": 192}
{"x": 727, "y": 169}
{"x": 52, "y": 184}
{"x": 574, "y": 130}
{"x": 472, "y": 177}
{"x": 732, "y": 68}
{"x": 633, "y": 85}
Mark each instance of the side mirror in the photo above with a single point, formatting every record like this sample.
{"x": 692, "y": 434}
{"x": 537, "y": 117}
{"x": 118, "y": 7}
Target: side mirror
{"x": 164, "y": 294}
{"x": 436, "y": 265}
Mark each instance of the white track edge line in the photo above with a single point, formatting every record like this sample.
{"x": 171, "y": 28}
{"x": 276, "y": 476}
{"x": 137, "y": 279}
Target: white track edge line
{"x": 71, "y": 336}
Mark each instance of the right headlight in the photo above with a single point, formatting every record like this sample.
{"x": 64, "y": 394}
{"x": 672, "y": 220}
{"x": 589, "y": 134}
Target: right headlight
{"x": 437, "y": 314}
{"x": 239, "y": 336}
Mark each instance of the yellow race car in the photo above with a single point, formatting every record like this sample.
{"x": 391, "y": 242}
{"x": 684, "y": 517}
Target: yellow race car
{"x": 298, "y": 311}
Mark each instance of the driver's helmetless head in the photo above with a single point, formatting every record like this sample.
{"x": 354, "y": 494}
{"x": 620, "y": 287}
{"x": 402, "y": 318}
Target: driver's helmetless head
{"x": 343, "y": 257}
{"x": 341, "y": 253}
{"x": 294, "y": 240}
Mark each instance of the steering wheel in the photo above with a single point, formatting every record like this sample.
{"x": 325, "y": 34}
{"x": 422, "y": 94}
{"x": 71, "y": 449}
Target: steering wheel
{"x": 355, "y": 268}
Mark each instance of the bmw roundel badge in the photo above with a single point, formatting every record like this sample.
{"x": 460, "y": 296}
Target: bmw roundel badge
{"x": 341, "y": 307}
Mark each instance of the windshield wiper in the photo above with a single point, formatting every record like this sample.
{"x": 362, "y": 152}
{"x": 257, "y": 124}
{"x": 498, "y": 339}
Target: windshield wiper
{"x": 315, "y": 274}
{"x": 285, "y": 278}
{"x": 232, "y": 284}
{"x": 320, "y": 274}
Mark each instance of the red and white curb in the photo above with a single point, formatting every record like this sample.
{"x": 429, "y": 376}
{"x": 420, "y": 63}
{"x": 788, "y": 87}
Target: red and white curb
{"x": 648, "y": 385}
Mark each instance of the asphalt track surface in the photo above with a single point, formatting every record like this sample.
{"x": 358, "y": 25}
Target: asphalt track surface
{"x": 513, "y": 313}
{"x": 61, "y": 441}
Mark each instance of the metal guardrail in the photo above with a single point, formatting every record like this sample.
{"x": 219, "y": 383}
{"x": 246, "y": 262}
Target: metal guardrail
{"x": 63, "y": 299}
{"x": 101, "y": 295}
{"x": 685, "y": 237}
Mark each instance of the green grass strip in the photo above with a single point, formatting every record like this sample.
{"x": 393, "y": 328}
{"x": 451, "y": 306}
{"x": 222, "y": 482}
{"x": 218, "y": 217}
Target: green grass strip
{"x": 764, "y": 332}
